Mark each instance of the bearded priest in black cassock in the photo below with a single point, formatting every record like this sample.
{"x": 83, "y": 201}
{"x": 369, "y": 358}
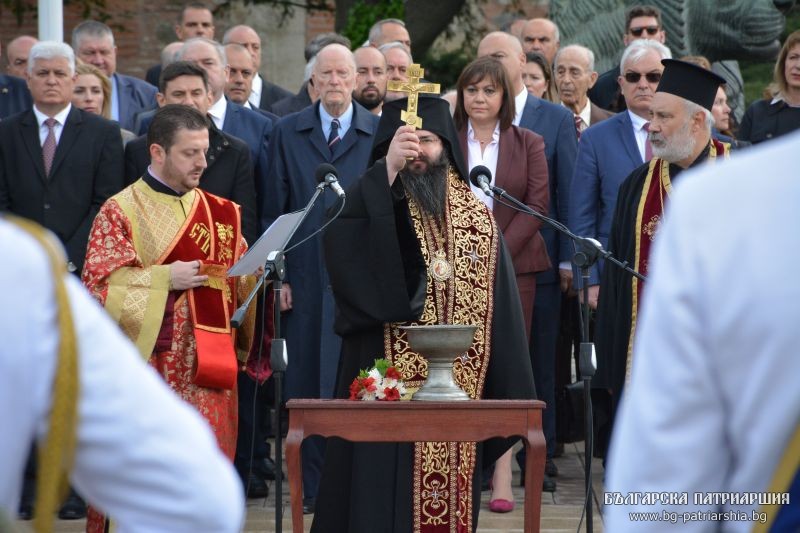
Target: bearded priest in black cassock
{"x": 415, "y": 246}
{"x": 680, "y": 135}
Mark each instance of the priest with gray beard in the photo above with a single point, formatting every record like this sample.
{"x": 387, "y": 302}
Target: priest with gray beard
{"x": 415, "y": 246}
{"x": 680, "y": 135}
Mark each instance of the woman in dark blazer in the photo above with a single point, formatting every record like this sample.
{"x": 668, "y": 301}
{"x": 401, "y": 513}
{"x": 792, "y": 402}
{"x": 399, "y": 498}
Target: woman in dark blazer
{"x": 778, "y": 113}
{"x": 483, "y": 116}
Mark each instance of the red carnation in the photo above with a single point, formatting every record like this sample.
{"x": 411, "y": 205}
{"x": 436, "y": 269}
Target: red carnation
{"x": 369, "y": 384}
{"x": 355, "y": 388}
{"x": 391, "y": 394}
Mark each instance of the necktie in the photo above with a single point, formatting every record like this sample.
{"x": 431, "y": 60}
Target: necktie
{"x": 578, "y": 125}
{"x": 333, "y": 138}
{"x": 648, "y": 148}
{"x": 49, "y": 146}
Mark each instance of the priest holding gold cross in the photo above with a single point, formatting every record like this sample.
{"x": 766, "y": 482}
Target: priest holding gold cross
{"x": 414, "y": 246}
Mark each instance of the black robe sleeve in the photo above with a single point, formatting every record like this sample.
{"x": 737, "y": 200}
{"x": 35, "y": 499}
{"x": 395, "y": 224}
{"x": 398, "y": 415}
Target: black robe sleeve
{"x": 373, "y": 257}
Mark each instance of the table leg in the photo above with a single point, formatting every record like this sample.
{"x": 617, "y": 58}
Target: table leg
{"x": 294, "y": 438}
{"x": 535, "y": 453}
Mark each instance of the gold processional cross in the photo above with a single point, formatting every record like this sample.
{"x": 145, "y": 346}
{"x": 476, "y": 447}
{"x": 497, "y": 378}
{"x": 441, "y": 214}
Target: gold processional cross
{"x": 413, "y": 87}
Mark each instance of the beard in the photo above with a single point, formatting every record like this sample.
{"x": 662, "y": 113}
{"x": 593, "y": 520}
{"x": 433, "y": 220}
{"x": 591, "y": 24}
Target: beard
{"x": 428, "y": 188}
{"x": 368, "y": 101}
{"x": 676, "y": 148}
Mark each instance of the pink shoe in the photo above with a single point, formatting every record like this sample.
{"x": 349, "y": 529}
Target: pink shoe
{"x": 501, "y": 506}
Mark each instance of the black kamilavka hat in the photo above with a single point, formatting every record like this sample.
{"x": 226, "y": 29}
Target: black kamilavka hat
{"x": 689, "y": 81}
{"x": 436, "y": 118}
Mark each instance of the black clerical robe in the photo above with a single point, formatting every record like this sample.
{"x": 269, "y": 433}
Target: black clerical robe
{"x": 379, "y": 276}
{"x": 618, "y": 300}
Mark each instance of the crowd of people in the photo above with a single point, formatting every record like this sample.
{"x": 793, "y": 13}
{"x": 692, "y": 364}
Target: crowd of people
{"x": 155, "y": 187}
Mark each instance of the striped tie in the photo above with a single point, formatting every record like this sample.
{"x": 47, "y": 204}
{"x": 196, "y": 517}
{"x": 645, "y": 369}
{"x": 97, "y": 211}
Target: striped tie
{"x": 333, "y": 138}
{"x": 578, "y": 126}
{"x": 49, "y": 146}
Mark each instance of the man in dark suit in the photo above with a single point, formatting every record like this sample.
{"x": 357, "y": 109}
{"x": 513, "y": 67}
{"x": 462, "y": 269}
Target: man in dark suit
{"x": 229, "y": 173}
{"x": 248, "y": 125}
{"x": 58, "y": 164}
{"x": 338, "y": 131}
{"x": 94, "y": 43}
{"x": 58, "y": 179}
{"x": 556, "y": 125}
{"x": 610, "y": 151}
{"x": 263, "y": 93}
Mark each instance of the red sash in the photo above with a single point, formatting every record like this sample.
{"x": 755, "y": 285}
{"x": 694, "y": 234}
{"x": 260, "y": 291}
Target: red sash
{"x": 655, "y": 192}
{"x": 211, "y": 234}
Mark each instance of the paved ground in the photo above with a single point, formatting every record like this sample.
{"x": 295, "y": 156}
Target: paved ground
{"x": 561, "y": 511}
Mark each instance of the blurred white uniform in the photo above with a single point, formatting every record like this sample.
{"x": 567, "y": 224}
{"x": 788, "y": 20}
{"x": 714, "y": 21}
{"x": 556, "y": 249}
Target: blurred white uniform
{"x": 714, "y": 397}
{"x": 142, "y": 455}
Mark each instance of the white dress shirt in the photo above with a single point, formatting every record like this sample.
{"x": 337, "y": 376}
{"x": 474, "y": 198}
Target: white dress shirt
{"x": 255, "y": 91}
{"x": 143, "y": 456}
{"x": 713, "y": 398}
{"x": 519, "y": 105}
{"x": 217, "y": 112}
{"x": 61, "y": 119}
{"x": 486, "y": 157}
{"x": 639, "y": 132}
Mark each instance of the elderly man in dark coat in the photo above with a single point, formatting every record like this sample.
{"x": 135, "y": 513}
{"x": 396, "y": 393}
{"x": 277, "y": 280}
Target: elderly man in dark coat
{"x": 337, "y": 131}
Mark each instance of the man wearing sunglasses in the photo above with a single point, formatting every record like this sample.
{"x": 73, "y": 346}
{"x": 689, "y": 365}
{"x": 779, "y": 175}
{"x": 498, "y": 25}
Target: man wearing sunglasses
{"x": 607, "y": 153}
{"x": 680, "y": 134}
{"x": 641, "y": 22}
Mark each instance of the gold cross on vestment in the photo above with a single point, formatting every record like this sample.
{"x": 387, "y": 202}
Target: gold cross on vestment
{"x": 413, "y": 87}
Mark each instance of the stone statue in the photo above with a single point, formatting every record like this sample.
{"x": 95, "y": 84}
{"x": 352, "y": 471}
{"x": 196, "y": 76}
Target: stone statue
{"x": 723, "y": 31}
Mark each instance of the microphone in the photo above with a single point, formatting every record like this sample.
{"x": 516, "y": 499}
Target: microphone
{"x": 326, "y": 173}
{"x": 482, "y": 177}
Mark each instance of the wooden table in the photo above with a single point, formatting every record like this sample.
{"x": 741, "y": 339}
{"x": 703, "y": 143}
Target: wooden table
{"x": 404, "y": 421}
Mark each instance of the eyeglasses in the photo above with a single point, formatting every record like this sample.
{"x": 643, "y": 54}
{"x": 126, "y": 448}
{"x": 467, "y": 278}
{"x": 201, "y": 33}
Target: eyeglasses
{"x": 637, "y": 32}
{"x": 634, "y": 77}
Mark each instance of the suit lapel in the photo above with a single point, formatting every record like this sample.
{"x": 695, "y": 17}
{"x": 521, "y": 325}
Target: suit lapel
{"x": 309, "y": 120}
{"x": 625, "y": 127}
{"x": 351, "y": 136}
{"x": 123, "y": 98}
{"x": 68, "y": 136}
{"x": 30, "y": 137}
{"x": 216, "y": 145}
{"x": 529, "y": 116}
{"x": 504, "y": 157}
{"x": 231, "y": 124}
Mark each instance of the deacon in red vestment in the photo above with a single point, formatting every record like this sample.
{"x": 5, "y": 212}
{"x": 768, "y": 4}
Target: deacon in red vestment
{"x": 157, "y": 260}
{"x": 680, "y": 134}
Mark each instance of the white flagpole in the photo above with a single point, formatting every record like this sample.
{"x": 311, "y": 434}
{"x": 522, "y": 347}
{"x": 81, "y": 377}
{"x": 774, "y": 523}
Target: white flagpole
{"x": 51, "y": 20}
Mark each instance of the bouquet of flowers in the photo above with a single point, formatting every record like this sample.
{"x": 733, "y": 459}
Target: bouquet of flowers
{"x": 382, "y": 382}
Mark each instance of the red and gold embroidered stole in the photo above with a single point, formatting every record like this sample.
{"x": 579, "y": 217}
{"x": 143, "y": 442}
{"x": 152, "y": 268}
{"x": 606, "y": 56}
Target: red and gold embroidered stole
{"x": 655, "y": 192}
{"x": 467, "y": 241}
{"x": 211, "y": 233}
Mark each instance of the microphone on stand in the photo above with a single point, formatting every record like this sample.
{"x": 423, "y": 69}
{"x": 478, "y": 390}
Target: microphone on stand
{"x": 481, "y": 177}
{"x": 327, "y": 173}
